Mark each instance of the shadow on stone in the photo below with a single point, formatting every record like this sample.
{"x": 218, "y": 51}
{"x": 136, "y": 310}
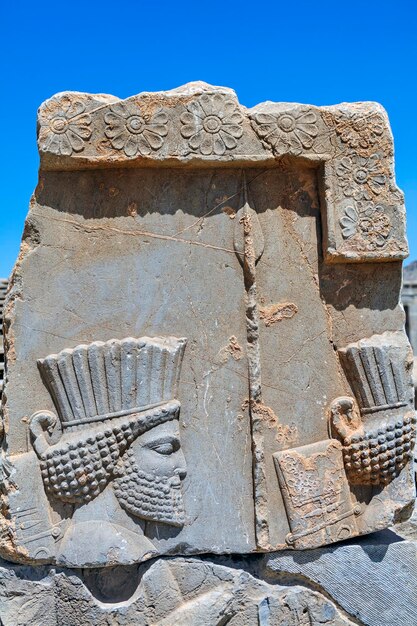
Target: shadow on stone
{"x": 112, "y": 585}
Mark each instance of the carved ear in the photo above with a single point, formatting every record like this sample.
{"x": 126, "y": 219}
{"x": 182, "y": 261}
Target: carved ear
{"x": 344, "y": 417}
{"x": 40, "y": 423}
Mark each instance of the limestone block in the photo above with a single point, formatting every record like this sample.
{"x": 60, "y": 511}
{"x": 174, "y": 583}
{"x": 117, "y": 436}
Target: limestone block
{"x": 205, "y": 351}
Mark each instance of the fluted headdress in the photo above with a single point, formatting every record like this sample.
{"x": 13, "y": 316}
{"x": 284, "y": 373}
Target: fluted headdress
{"x": 378, "y": 369}
{"x": 104, "y": 380}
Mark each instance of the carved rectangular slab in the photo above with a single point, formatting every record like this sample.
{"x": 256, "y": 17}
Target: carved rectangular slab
{"x": 316, "y": 494}
{"x": 177, "y": 332}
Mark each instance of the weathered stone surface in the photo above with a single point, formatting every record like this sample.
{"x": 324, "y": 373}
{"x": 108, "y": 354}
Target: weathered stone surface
{"x": 205, "y": 349}
{"x": 371, "y": 582}
{"x": 374, "y": 579}
{"x": 180, "y": 592}
{"x": 408, "y": 529}
{"x": 409, "y": 300}
{"x": 3, "y": 289}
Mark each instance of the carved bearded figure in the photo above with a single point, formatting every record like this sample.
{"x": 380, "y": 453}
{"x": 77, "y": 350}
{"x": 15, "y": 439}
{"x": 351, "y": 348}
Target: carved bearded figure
{"x": 149, "y": 486}
{"x": 118, "y": 461}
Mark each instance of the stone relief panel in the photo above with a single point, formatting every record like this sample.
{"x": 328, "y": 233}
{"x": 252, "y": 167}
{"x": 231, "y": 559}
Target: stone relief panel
{"x": 278, "y": 426}
{"x": 159, "y": 295}
{"x": 112, "y": 452}
{"x": 372, "y": 445}
{"x": 379, "y": 438}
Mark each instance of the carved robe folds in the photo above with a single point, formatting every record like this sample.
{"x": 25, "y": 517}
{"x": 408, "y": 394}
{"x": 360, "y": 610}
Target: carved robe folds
{"x": 205, "y": 350}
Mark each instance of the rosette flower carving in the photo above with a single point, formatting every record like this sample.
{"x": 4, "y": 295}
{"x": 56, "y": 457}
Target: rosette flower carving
{"x": 212, "y": 124}
{"x": 64, "y": 126}
{"x": 376, "y": 228}
{"x": 133, "y": 132}
{"x": 371, "y": 225}
{"x": 288, "y": 131}
{"x": 360, "y": 132}
{"x": 357, "y": 175}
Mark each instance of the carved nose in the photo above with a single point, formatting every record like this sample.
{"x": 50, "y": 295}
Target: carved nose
{"x": 181, "y": 472}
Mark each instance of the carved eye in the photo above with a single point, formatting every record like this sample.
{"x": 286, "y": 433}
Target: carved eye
{"x": 164, "y": 445}
{"x": 164, "y": 448}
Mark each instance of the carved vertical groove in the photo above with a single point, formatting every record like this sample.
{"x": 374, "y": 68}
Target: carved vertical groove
{"x": 53, "y": 380}
{"x": 128, "y": 366}
{"x": 386, "y": 374}
{"x": 67, "y": 373}
{"x": 98, "y": 376}
{"x": 111, "y": 359}
{"x": 82, "y": 372}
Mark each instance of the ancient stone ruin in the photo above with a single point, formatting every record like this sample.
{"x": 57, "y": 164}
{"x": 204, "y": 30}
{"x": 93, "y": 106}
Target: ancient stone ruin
{"x": 207, "y": 375}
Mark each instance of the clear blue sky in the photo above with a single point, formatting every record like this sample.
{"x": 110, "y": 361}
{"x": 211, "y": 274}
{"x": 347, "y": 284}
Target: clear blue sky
{"x": 314, "y": 52}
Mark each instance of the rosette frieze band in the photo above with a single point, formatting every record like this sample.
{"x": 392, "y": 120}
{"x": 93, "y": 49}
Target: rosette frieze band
{"x": 199, "y": 125}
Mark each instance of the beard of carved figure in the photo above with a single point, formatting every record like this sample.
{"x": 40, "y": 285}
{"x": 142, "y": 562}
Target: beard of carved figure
{"x": 150, "y": 497}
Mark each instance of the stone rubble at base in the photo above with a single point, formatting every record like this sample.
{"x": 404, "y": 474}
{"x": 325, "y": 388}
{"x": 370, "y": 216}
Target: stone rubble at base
{"x": 371, "y": 582}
